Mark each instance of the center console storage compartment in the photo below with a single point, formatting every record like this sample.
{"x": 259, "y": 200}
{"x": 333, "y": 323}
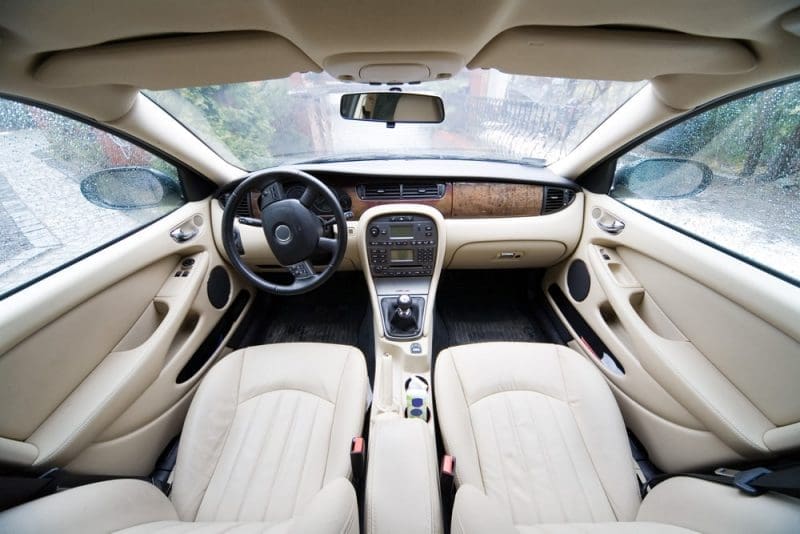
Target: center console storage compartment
{"x": 402, "y": 491}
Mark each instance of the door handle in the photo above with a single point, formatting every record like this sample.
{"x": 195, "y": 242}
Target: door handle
{"x": 181, "y": 235}
{"x": 613, "y": 227}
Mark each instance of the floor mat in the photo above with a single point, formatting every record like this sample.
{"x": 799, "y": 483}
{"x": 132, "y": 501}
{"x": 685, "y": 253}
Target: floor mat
{"x": 478, "y": 306}
{"x": 338, "y": 312}
{"x": 331, "y": 314}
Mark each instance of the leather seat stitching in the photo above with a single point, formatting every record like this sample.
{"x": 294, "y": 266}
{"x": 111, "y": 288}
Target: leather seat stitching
{"x": 548, "y": 465}
{"x": 305, "y": 459}
{"x": 507, "y": 493}
{"x": 333, "y": 419}
{"x": 281, "y": 390}
{"x": 512, "y": 421}
{"x": 512, "y": 390}
{"x": 572, "y": 461}
{"x": 225, "y": 439}
{"x": 264, "y": 437}
{"x": 609, "y": 498}
{"x": 469, "y": 416}
{"x": 250, "y": 428}
{"x": 275, "y": 475}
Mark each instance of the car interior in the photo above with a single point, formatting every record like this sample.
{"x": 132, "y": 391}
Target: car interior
{"x": 424, "y": 267}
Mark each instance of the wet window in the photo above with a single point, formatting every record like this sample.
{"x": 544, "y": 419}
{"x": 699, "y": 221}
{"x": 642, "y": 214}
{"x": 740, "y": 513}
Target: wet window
{"x": 730, "y": 175}
{"x": 67, "y": 188}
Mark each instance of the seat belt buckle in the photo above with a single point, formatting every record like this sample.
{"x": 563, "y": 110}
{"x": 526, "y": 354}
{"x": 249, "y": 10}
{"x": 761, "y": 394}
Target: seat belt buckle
{"x": 447, "y": 475}
{"x": 358, "y": 458}
{"x": 743, "y": 479}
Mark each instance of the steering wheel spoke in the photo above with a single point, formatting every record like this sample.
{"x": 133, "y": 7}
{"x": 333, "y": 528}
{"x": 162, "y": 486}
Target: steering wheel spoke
{"x": 272, "y": 193}
{"x": 327, "y": 244}
{"x": 302, "y": 270}
{"x": 308, "y": 197}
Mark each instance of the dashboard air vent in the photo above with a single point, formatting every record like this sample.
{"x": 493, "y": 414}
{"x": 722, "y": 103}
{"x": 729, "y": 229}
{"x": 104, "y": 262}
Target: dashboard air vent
{"x": 242, "y": 210}
{"x": 408, "y": 191}
{"x": 426, "y": 191}
{"x": 556, "y": 198}
{"x": 379, "y": 191}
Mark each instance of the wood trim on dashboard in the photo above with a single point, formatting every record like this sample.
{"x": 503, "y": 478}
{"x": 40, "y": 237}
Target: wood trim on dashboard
{"x": 492, "y": 199}
{"x": 460, "y": 200}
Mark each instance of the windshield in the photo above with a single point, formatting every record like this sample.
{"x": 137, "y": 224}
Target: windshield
{"x": 488, "y": 116}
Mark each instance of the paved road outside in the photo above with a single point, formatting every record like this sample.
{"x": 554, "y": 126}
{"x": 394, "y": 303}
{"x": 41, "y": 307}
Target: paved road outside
{"x": 44, "y": 219}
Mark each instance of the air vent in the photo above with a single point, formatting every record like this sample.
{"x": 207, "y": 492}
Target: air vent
{"x": 242, "y": 210}
{"x": 379, "y": 191}
{"x": 556, "y": 198}
{"x": 426, "y": 191}
{"x": 409, "y": 191}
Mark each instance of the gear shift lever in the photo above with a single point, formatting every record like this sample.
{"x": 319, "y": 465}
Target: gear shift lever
{"x": 404, "y": 306}
{"x": 403, "y": 318}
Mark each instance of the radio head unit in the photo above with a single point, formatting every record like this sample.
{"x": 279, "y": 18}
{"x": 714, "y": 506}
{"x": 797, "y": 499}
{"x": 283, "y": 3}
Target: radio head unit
{"x": 401, "y": 245}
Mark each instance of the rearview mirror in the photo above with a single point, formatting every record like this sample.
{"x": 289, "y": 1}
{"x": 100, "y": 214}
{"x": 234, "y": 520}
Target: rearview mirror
{"x": 392, "y": 107}
{"x": 660, "y": 178}
{"x": 129, "y": 188}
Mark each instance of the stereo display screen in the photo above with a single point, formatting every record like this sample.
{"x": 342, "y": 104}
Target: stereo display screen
{"x": 402, "y": 255}
{"x": 401, "y": 231}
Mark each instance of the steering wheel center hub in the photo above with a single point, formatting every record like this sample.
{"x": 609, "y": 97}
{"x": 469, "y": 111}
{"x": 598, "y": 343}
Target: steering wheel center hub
{"x": 291, "y": 229}
{"x": 283, "y": 234}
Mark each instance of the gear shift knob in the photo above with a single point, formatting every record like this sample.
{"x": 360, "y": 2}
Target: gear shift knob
{"x": 403, "y": 306}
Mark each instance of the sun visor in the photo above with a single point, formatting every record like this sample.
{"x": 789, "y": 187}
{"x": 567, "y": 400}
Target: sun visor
{"x": 171, "y": 62}
{"x": 610, "y": 54}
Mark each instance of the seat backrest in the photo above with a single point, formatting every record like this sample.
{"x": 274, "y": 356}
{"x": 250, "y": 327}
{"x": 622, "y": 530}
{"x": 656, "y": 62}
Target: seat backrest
{"x": 268, "y": 428}
{"x": 536, "y": 428}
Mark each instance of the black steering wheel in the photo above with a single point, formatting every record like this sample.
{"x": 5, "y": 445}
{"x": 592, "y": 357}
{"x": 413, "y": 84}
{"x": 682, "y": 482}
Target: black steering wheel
{"x": 294, "y": 233}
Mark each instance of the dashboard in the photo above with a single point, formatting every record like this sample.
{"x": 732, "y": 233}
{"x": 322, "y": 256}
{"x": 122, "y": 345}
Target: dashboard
{"x": 498, "y": 215}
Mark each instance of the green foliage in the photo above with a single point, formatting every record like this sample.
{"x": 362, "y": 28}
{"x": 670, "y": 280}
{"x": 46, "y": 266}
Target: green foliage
{"x": 758, "y": 135}
{"x": 253, "y": 120}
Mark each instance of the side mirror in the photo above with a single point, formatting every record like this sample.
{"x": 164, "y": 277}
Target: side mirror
{"x": 660, "y": 178}
{"x": 392, "y": 107}
{"x": 129, "y": 188}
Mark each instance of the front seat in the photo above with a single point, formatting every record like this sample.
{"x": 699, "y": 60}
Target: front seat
{"x": 541, "y": 447}
{"x": 265, "y": 448}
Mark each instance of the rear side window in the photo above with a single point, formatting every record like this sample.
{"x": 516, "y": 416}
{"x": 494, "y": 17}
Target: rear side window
{"x": 730, "y": 175}
{"x": 67, "y": 188}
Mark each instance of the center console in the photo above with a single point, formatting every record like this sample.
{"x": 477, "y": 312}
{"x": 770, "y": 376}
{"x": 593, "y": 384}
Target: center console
{"x": 402, "y": 253}
{"x": 401, "y": 249}
{"x": 402, "y": 245}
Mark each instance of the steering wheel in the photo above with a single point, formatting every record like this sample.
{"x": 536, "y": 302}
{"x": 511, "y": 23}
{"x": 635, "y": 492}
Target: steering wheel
{"x": 293, "y": 232}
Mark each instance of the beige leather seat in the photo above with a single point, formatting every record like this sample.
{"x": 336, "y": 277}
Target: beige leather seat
{"x": 540, "y": 446}
{"x": 265, "y": 448}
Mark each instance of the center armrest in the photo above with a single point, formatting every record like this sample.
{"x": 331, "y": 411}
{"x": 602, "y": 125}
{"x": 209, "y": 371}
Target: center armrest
{"x": 402, "y": 493}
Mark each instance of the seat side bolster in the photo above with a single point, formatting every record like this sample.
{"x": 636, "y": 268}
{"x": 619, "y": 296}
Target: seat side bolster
{"x": 714, "y": 508}
{"x": 95, "y": 508}
{"x": 348, "y": 416}
{"x": 453, "y": 411}
{"x": 333, "y": 509}
{"x": 603, "y": 432}
{"x": 475, "y": 513}
{"x": 204, "y": 433}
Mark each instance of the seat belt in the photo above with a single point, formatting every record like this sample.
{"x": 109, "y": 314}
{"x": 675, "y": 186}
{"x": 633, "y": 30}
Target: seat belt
{"x": 751, "y": 481}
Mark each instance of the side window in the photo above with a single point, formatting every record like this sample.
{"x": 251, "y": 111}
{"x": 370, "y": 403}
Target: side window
{"x": 67, "y": 188}
{"x": 730, "y": 175}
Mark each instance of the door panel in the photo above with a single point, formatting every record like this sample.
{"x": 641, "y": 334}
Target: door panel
{"x": 716, "y": 336}
{"x": 91, "y": 354}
